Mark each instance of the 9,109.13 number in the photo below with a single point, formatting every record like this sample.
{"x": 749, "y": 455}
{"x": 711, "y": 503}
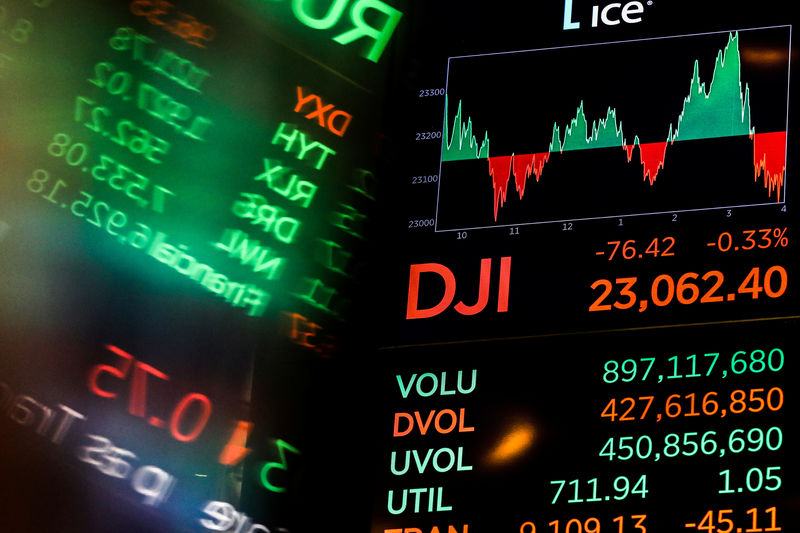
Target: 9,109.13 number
{"x": 592, "y": 525}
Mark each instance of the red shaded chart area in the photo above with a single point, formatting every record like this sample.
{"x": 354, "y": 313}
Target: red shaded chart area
{"x": 524, "y": 165}
{"x": 652, "y": 156}
{"x": 769, "y": 159}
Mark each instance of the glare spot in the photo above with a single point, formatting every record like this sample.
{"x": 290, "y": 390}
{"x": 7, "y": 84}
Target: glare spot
{"x": 764, "y": 55}
{"x": 512, "y": 444}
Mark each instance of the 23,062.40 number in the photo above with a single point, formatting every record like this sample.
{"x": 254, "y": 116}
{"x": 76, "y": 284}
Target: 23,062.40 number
{"x": 664, "y": 290}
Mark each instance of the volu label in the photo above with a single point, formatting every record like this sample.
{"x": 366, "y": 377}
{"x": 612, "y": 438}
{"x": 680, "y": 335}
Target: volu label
{"x": 428, "y": 383}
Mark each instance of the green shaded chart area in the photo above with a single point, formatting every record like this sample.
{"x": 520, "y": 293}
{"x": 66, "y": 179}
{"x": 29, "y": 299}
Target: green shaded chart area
{"x": 723, "y": 110}
{"x": 463, "y": 144}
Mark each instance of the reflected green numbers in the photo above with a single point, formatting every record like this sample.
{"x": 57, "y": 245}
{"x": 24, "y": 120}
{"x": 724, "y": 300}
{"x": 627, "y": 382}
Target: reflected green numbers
{"x": 122, "y": 178}
{"x": 164, "y": 108}
{"x": 98, "y": 214}
{"x": 124, "y": 132}
{"x": 167, "y": 63}
{"x": 117, "y": 176}
{"x": 150, "y": 99}
{"x": 37, "y": 185}
{"x": 101, "y": 215}
{"x": 116, "y": 83}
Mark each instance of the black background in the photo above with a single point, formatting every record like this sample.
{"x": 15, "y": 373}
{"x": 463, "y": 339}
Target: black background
{"x": 539, "y": 362}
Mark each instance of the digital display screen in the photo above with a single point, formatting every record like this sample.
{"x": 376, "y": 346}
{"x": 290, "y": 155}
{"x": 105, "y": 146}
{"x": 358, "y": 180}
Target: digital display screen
{"x": 397, "y": 267}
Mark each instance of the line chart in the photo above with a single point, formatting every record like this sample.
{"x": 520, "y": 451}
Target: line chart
{"x": 630, "y": 128}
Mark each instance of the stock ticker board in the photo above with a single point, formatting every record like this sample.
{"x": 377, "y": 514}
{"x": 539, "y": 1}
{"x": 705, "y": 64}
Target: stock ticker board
{"x": 397, "y": 267}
